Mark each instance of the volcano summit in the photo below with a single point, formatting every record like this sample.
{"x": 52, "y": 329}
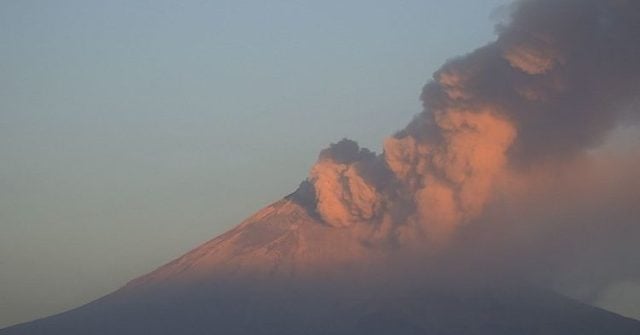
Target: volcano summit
{"x": 283, "y": 271}
{"x": 494, "y": 204}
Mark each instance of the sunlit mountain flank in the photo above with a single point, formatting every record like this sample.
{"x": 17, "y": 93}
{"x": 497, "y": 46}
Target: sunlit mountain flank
{"x": 498, "y": 210}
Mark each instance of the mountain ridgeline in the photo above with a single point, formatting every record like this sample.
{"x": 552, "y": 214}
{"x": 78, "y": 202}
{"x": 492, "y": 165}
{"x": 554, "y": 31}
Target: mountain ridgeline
{"x": 498, "y": 189}
{"x": 284, "y": 271}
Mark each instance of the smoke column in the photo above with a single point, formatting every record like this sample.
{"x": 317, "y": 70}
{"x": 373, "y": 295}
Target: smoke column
{"x": 561, "y": 75}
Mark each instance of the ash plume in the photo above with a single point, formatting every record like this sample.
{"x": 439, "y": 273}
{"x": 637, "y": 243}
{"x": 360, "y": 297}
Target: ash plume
{"x": 560, "y": 76}
{"x": 503, "y": 130}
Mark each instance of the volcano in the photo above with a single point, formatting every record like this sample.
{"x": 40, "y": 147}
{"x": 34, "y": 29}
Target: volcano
{"x": 460, "y": 225}
{"x": 284, "y": 271}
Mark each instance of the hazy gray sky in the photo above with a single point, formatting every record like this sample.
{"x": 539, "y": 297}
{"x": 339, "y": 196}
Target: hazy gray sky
{"x": 132, "y": 131}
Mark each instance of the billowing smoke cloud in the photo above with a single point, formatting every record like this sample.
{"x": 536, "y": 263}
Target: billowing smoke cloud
{"x": 560, "y": 76}
{"x": 501, "y": 129}
{"x": 344, "y": 193}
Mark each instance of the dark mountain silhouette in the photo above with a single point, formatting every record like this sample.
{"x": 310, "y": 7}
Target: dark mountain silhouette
{"x": 283, "y": 271}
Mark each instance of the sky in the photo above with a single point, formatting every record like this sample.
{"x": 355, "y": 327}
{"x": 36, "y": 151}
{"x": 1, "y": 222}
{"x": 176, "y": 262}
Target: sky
{"x": 132, "y": 131}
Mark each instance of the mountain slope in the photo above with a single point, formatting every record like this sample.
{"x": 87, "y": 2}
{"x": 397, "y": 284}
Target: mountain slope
{"x": 283, "y": 271}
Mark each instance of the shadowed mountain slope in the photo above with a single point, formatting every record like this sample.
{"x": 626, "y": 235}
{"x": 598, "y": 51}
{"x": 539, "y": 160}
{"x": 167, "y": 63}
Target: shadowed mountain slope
{"x": 283, "y": 271}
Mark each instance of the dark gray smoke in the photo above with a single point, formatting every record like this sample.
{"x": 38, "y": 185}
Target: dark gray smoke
{"x": 504, "y": 149}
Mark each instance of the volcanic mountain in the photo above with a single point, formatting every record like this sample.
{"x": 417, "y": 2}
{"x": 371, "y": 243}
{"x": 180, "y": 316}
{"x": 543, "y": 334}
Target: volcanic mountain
{"x": 284, "y": 271}
{"x": 462, "y": 225}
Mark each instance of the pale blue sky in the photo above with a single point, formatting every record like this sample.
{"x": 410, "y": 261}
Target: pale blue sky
{"x": 131, "y": 131}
